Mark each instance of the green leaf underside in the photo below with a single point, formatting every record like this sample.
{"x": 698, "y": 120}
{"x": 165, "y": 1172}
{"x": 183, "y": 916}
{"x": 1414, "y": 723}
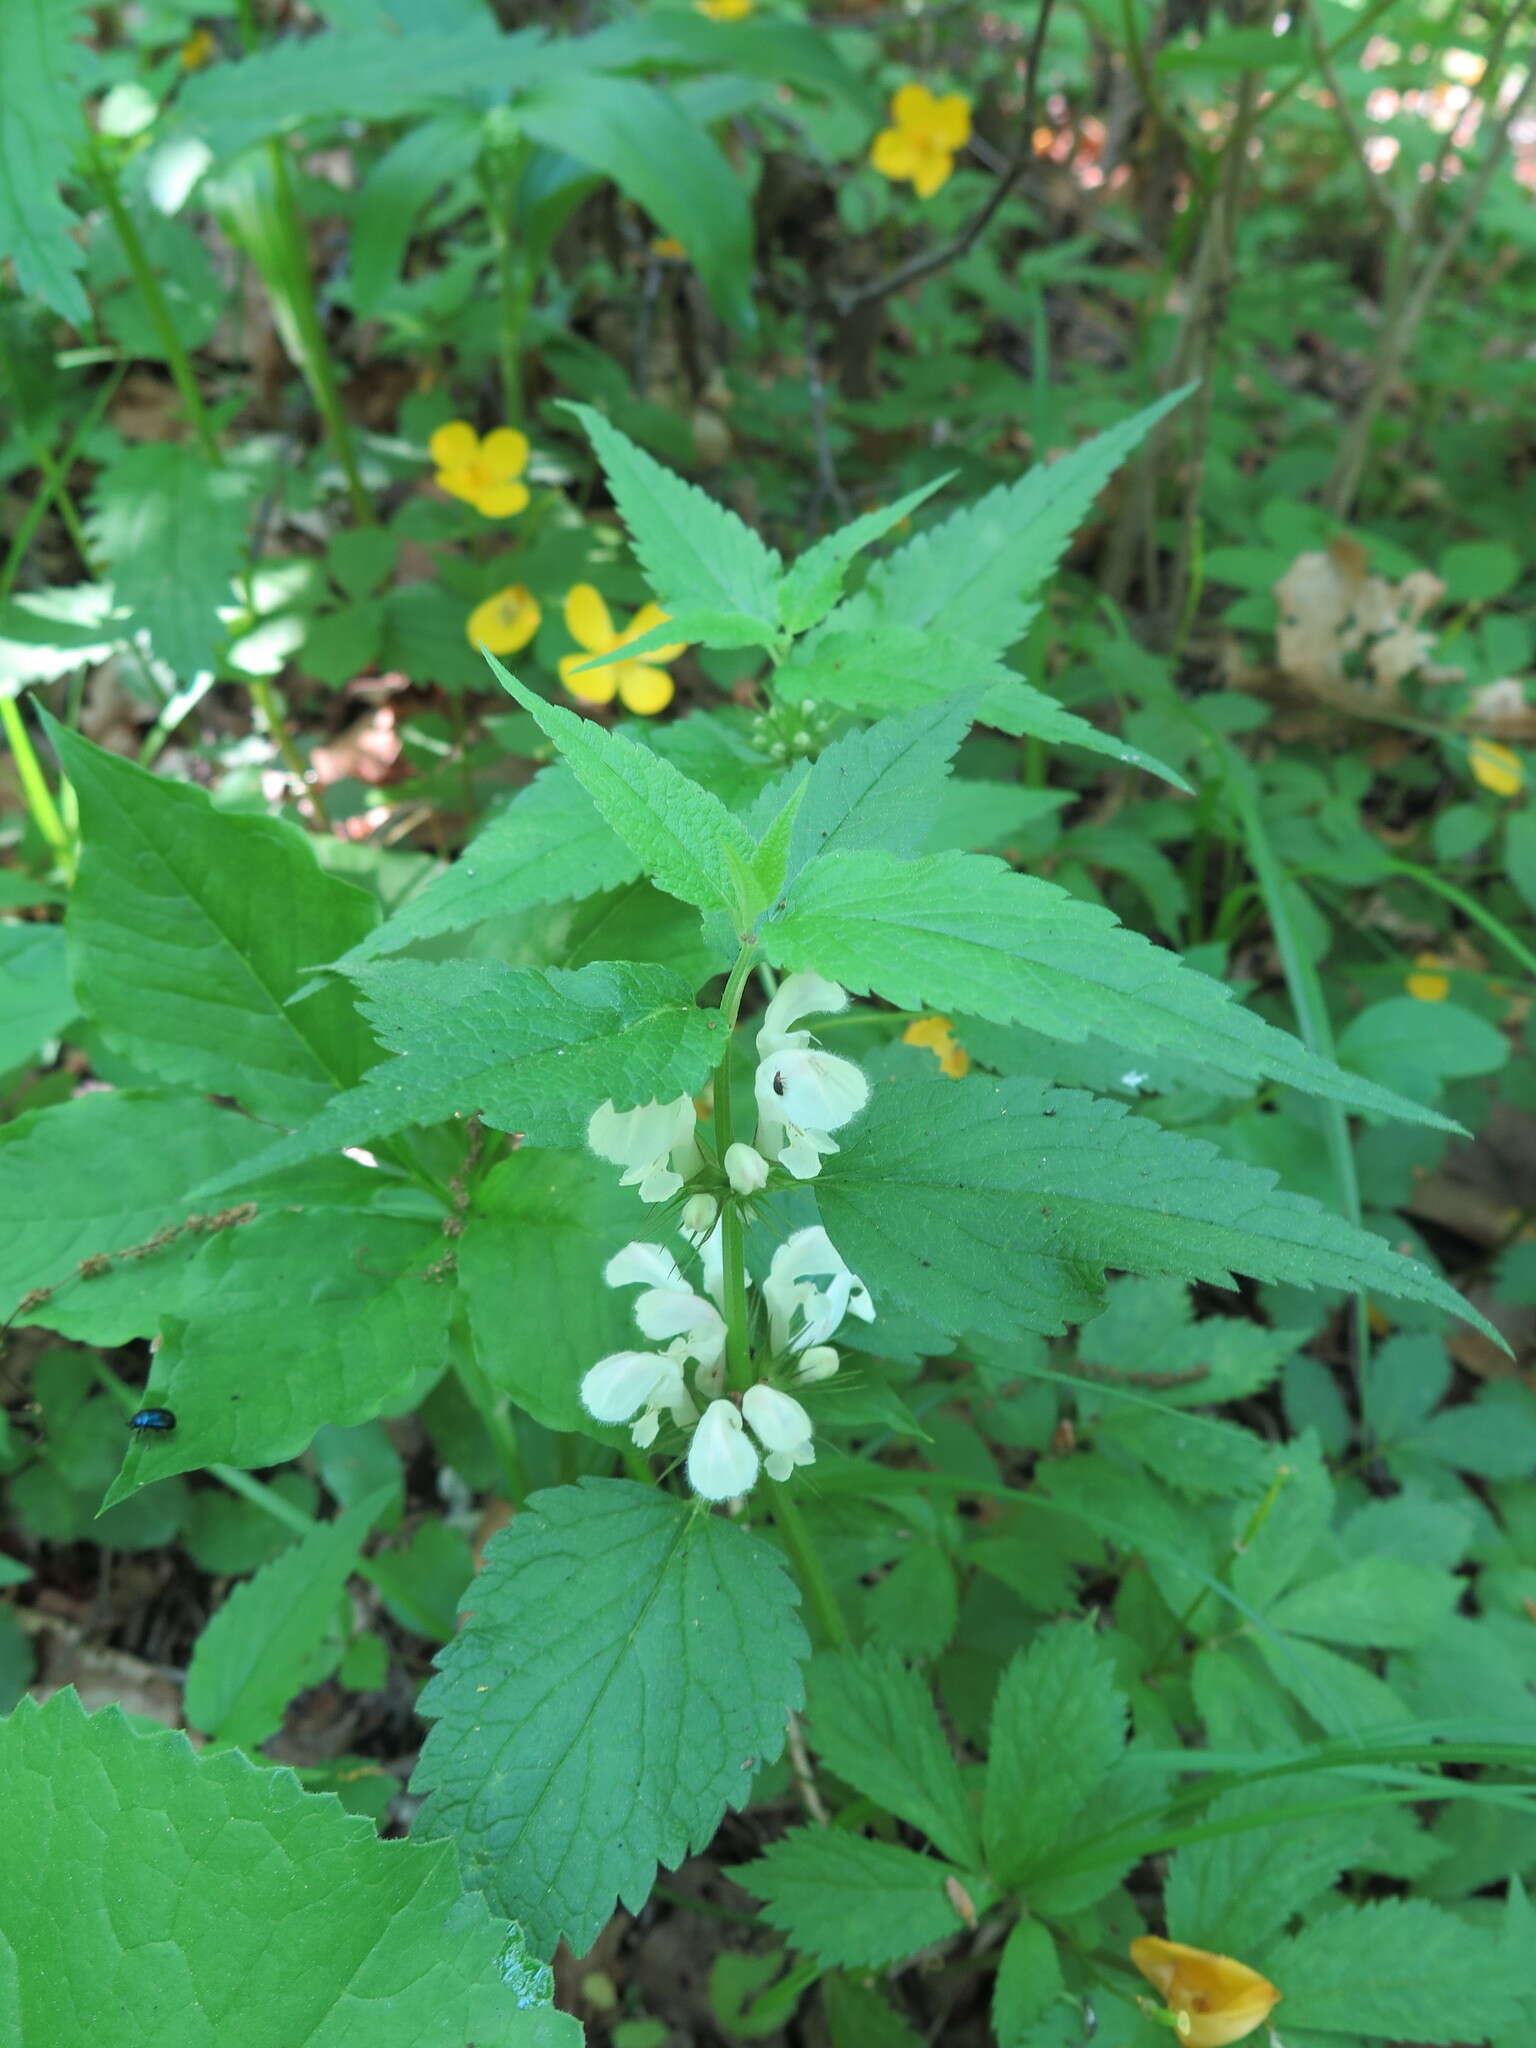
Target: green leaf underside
{"x": 550, "y": 845}
{"x": 682, "y": 835}
{"x": 531, "y": 1049}
{"x": 850, "y": 1902}
{"x": 215, "y": 1936}
{"x": 625, "y": 1667}
{"x": 697, "y": 555}
{"x": 290, "y": 1327}
{"x": 991, "y": 1206}
{"x": 961, "y": 932}
{"x": 190, "y": 929}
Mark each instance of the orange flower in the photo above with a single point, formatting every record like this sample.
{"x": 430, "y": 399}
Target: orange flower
{"x": 1217, "y": 1999}
{"x": 505, "y": 622}
{"x": 938, "y": 1034}
{"x": 483, "y": 473}
{"x": 921, "y": 141}
{"x": 1496, "y": 767}
{"x": 1428, "y": 983}
{"x": 642, "y": 686}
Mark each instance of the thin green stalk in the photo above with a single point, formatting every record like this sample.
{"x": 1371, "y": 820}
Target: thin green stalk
{"x": 34, "y": 785}
{"x": 1470, "y": 908}
{"x": 738, "y": 1349}
{"x": 492, "y": 1408}
{"x": 1256, "y": 1522}
{"x": 154, "y": 302}
{"x": 265, "y": 700}
{"x": 814, "y": 1582}
{"x": 54, "y": 470}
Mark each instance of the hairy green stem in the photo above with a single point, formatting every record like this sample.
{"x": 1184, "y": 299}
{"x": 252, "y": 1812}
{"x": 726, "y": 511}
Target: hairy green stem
{"x": 814, "y": 1583}
{"x": 154, "y": 301}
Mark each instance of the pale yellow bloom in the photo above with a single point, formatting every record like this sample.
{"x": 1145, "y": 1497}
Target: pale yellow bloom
{"x": 642, "y": 686}
{"x": 920, "y": 144}
{"x": 724, "y": 10}
{"x": 505, "y": 622}
{"x": 938, "y": 1034}
{"x": 199, "y": 49}
{"x": 485, "y": 473}
{"x": 1428, "y": 982}
{"x": 669, "y": 248}
{"x": 1496, "y": 767}
{"x": 1217, "y": 1999}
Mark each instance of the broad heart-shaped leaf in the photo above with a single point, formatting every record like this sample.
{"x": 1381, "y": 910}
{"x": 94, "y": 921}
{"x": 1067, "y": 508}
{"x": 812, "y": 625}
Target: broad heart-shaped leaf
{"x": 549, "y": 845}
{"x": 541, "y": 1229}
{"x": 963, "y": 934}
{"x": 289, "y": 1326}
{"x": 852, "y": 1903}
{"x": 881, "y": 787}
{"x": 43, "y": 129}
{"x": 697, "y": 555}
{"x": 813, "y": 584}
{"x": 96, "y": 1176}
{"x": 991, "y": 1205}
{"x": 1401, "y": 1969}
{"x": 625, "y": 1666}
{"x": 170, "y": 1901}
{"x": 190, "y": 929}
{"x": 874, "y": 1724}
{"x": 170, "y": 529}
{"x": 641, "y": 138}
{"x": 1058, "y": 1729}
{"x": 253, "y": 1656}
{"x": 972, "y": 576}
{"x": 681, "y": 833}
{"x": 532, "y": 1049}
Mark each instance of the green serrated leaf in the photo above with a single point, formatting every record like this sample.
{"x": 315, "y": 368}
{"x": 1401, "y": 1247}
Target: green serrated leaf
{"x": 255, "y": 1654}
{"x": 961, "y": 933}
{"x": 770, "y": 860}
{"x": 874, "y": 1723}
{"x": 813, "y": 583}
{"x": 1029, "y": 1980}
{"x": 217, "y": 1933}
{"x": 1058, "y": 1729}
{"x": 1236, "y": 1892}
{"x": 883, "y": 787}
{"x": 171, "y": 529}
{"x": 850, "y": 1902}
{"x": 990, "y": 1204}
{"x": 530, "y": 1049}
{"x": 627, "y": 1665}
{"x": 189, "y": 931}
{"x": 697, "y": 555}
{"x": 681, "y": 833}
{"x": 1400, "y": 1969}
{"x": 40, "y": 52}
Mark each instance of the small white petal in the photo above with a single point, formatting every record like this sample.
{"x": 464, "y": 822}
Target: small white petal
{"x": 820, "y": 1362}
{"x": 814, "y": 1089}
{"x": 658, "y": 1184}
{"x": 777, "y": 1420}
{"x": 802, "y": 1154}
{"x": 620, "y": 1385}
{"x": 667, "y": 1312}
{"x": 721, "y": 1459}
{"x": 802, "y": 995}
{"x": 643, "y": 1265}
{"x": 699, "y": 1213}
{"x": 635, "y": 1137}
{"x": 746, "y": 1169}
{"x": 779, "y": 1464}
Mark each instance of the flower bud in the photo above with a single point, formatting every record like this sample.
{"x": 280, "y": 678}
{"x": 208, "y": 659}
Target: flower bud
{"x": 699, "y": 1213}
{"x": 819, "y": 1363}
{"x": 746, "y": 1169}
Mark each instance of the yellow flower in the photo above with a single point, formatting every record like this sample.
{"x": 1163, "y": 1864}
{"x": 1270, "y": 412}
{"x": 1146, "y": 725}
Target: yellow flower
{"x": 483, "y": 473}
{"x": 724, "y": 10}
{"x": 1216, "y": 1999}
{"x": 642, "y": 686}
{"x": 505, "y": 622}
{"x": 1428, "y": 983}
{"x": 1496, "y": 767}
{"x": 669, "y": 247}
{"x": 921, "y": 141}
{"x": 938, "y": 1034}
{"x": 199, "y": 49}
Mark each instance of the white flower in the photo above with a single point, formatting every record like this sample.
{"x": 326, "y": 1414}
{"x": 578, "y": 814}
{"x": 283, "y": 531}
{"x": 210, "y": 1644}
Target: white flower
{"x": 803, "y": 1093}
{"x": 746, "y": 1169}
{"x": 637, "y": 1383}
{"x": 654, "y": 1144}
{"x": 801, "y": 1314}
{"x": 668, "y": 1308}
{"x": 722, "y": 1461}
{"x": 820, "y": 1362}
{"x": 781, "y": 1426}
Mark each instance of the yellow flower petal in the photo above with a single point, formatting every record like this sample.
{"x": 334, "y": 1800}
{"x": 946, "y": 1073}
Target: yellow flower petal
{"x": 949, "y": 124}
{"x": 199, "y": 49}
{"x": 454, "y": 445}
{"x": 938, "y": 1034}
{"x": 894, "y": 154}
{"x": 650, "y": 615}
{"x": 505, "y": 622}
{"x": 1427, "y": 983}
{"x": 644, "y": 690}
{"x": 669, "y": 248}
{"x": 912, "y": 106}
{"x": 1218, "y": 1999}
{"x": 1496, "y": 767}
{"x": 504, "y": 451}
{"x": 501, "y": 501}
{"x": 933, "y": 169}
{"x": 596, "y": 686}
{"x": 724, "y": 10}
{"x": 587, "y": 621}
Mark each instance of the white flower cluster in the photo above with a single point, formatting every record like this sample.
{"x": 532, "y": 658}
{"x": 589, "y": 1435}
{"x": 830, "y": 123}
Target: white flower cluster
{"x": 807, "y": 1294}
